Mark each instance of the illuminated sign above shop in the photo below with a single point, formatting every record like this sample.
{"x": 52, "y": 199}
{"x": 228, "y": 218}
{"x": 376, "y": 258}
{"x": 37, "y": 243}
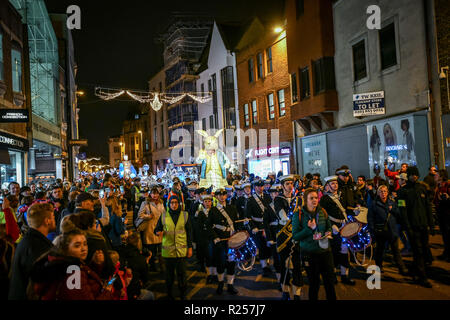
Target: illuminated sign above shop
{"x": 268, "y": 152}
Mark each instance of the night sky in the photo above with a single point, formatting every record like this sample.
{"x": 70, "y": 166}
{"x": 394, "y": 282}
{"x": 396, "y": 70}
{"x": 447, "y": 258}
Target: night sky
{"x": 116, "y": 48}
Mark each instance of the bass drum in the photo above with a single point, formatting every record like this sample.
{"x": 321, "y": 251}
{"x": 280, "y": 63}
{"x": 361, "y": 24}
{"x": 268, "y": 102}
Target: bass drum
{"x": 242, "y": 250}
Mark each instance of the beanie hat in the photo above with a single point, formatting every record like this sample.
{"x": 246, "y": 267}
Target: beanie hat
{"x": 412, "y": 171}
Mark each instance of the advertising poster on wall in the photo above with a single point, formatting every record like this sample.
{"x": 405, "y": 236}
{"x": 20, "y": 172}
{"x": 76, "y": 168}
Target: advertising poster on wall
{"x": 391, "y": 141}
{"x": 314, "y": 155}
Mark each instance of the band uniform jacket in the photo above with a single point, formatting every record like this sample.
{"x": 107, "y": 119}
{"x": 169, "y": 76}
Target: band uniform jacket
{"x": 254, "y": 211}
{"x": 284, "y": 228}
{"x": 203, "y": 229}
{"x": 271, "y": 222}
{"x": 218, "y": 224}
{"x": 241, "y": 203}
{"x": 335, "y": 214}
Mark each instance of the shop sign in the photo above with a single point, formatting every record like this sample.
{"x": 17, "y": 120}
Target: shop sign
{"x": 368, "y": 104}
{"x": 11, "y": 141}
{"x": 14, "y": 115}
{"x": 268, "y": 152}
{"x": 314, "y": 155}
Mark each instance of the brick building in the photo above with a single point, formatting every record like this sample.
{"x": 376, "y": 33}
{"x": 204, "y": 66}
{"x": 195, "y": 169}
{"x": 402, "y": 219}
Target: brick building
{"x": 310, "y": 49}
{"x": 265, "y": 96}
{"x": 15, "y": 96}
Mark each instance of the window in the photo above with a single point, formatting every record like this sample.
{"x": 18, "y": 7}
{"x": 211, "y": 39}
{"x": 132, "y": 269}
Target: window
{"x": 387, "y": 46}
{"x": 202, "y": 89}
{"x": 323, "y": 71}
{"x": 271, "y": 106}
{"x": 204, "y": 124}
{"x": 246, "y": 115}
{"x": 251, "y": 71}
{"x": 254, "y": 112}
{"x": 162, "y": 136}
{"x": 359, "y": 60}
{"x": 299, "y": 7}
{"x": 211, "y": 121}
{"x": 305, "y": 91}
{"x": 16, "y": 64}
{"x": 160, "y": 86}
{"x": 281, "y": 103}
{"x": 137, "y": 154}
{"x": 146, "y": 144}
{"x": 228, "y": 97}
{"x": 116, "y": 150}
{"x": 260, "y": 65}
{"x": 155, "y": 137}
{"x": 214, "y": 90}
{"x": 1, "y": 58}
{"x": 269, "y": 60}
{"x": 294, "y": 92}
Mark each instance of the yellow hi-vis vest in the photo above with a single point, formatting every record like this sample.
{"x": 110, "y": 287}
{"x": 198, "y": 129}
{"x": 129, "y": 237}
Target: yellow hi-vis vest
{"x": 174, "y": 242}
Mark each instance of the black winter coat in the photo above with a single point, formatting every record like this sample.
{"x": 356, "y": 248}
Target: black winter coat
{"x": 33, "y": 245}
{"x": 133, "y": 259}
{"x": 415, "y": 206}
{"x": 378, "y": 214}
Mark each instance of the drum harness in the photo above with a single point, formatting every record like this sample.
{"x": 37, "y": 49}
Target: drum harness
{"x": 261, "y": 206}
{"x": 227, "y": 217}
{"x": 335, "y": 199}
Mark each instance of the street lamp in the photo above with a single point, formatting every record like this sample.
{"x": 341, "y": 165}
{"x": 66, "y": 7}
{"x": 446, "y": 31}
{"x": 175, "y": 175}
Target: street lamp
{"x": 141, "y": 147}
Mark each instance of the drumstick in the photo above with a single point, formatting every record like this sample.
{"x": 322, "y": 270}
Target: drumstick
{"x": 242, "y": 220}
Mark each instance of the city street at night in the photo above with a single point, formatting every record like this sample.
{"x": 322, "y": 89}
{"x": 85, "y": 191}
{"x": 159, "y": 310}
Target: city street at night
{"x": 225, "y": 159}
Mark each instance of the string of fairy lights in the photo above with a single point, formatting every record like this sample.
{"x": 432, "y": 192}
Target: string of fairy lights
{"x": 155, "y": 99}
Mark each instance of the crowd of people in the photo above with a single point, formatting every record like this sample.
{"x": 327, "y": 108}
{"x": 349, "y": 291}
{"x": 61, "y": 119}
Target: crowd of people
{"x": 295, "y": 222}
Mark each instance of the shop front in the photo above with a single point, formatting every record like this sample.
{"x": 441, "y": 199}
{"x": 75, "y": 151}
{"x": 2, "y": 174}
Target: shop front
{"x": 365, "y": 147}
{"x": 261, "y": 161}
{"x": 13, "y": 156}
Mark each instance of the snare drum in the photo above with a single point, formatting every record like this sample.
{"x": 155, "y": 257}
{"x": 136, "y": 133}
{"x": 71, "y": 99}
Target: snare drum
{"x": 242, "y": 250}
{"x": 355, "y": 235}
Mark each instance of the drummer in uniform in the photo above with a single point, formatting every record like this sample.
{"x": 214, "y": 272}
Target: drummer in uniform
{"x": 195, "y": 206}
{"x": 286, "y": 205}
{"x": 204, "y": 241}
{"x": 256, "y": 206}
{"x": 221, "y": 224}
{"x": 238, "y": 192}
{"x": 271, "y": 229}
{"x": 230, "y": 191}
{"x": 241, "y": 202}
{"x": 192, "y": 187}
{"x": 330, "y": 201}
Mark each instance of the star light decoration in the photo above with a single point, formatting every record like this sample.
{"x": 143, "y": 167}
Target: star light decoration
{"x": 155, "y": 99}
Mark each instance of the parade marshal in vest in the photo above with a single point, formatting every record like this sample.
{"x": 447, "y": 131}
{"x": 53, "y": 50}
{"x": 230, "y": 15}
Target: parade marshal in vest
{"x": 213, "y": 161}
{"x": 175, "y": 226}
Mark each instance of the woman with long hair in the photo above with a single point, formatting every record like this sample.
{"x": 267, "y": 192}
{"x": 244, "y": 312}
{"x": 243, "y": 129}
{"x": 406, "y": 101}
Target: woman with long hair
{"x": 149, "y": 214}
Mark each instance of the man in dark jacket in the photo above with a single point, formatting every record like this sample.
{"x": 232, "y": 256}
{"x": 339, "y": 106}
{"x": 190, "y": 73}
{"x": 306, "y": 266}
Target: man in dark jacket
{"x": 95, "y": 185}
{"x": 41, "y": 220}
{"x": 415, "y": 207}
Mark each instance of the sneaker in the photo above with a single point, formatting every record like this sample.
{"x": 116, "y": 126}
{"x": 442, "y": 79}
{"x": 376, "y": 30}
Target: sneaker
{"x": 347, "y": 280}
{"x": 220, "y": 287}
{"x": 231, "y": 289}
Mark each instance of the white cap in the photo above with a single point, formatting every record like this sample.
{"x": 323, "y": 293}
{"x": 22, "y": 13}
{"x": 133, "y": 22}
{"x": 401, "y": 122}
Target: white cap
{"x": 331, "y": 178}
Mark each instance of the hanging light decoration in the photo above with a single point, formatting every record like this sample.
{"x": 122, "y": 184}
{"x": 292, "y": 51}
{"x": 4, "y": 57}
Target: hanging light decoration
{"x": 156, "y": 104}
{"x": 155, "y": 99}
{"x": 173, "y": 100}
{"x": 200, "y": 99}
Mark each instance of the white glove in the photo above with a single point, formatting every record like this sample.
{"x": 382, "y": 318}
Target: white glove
{"x": 216, "y": 240}
{"x": 335, "y": 229}
{"x": 255, "y": 230}
{"x": 270, "y": 243}
{"x": 245, "y": 222}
